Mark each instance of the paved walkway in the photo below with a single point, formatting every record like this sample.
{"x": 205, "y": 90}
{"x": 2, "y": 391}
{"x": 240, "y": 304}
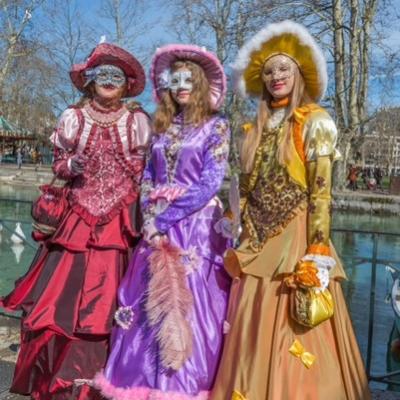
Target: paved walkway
{"x": 28, "y": 176}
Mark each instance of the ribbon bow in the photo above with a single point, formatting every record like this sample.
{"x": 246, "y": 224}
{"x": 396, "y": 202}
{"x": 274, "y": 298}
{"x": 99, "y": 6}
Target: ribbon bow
{"x": 237, "y": 396}
{"x": 298, "y": 350}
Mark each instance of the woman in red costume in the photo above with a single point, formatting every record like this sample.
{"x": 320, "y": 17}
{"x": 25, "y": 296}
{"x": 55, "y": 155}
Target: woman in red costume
{"x": 68, "y": 296}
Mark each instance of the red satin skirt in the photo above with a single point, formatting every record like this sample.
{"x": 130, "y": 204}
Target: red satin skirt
{"x": 68, "y": 299}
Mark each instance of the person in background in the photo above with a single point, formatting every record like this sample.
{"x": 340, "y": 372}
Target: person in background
{"x": 19, "y": 158}
{"x": 353, "y": 176}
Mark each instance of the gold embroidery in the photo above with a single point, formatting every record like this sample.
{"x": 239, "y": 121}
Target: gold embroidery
{"x": 319, "y": 181}
{"x": 273, "y": 199}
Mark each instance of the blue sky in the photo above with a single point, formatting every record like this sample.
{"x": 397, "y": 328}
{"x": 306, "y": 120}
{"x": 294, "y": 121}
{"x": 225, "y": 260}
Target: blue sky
{"x": 157, "y": 15}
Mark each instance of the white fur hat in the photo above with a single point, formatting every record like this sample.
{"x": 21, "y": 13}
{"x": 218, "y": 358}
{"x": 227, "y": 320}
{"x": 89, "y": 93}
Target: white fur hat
{"x": 288, "y": 38}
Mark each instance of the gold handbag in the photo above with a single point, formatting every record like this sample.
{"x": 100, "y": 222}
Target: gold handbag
{"x": 310, "y": 307}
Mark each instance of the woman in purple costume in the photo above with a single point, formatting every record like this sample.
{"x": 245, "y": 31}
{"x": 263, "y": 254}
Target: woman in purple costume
{"x": 174, "y": 296}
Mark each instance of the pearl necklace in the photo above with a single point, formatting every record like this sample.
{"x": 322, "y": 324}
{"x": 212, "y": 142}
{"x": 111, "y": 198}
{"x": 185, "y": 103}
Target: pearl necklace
{"x": 105, "y": 118}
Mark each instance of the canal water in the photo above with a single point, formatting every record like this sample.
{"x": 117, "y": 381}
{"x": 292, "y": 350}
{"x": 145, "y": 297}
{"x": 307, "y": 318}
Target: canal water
{"x": 354, "y": 248}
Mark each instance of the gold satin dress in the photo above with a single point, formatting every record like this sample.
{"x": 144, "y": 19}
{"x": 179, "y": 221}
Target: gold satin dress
{"x": 283, "y": 214}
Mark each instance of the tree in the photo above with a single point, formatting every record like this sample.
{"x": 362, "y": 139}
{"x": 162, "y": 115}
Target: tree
{"x": 222, "y": 26}
{"x": 26, "y": 102}
{"x": 15, "y": 17}
{"x": 69, "y": 43}
{"x": 346, "y": 29}
{"x": 127, "y": 24}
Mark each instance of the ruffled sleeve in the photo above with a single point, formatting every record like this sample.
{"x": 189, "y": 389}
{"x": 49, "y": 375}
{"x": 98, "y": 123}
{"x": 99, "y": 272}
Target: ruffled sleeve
{"x": 64, "y": 139}
{"x": 140, "y": 136}
{"x": 216, "y": 153}
{"x": 320, "y": 137}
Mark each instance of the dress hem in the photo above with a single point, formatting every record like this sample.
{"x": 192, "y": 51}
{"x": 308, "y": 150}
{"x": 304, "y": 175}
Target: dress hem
{"x": 110, "y": 391}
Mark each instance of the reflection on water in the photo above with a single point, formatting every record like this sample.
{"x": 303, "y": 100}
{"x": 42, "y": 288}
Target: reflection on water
{"x": 354, "y": 249}
{"x": 18, "y": 192}
{"x": 15, "y": 258}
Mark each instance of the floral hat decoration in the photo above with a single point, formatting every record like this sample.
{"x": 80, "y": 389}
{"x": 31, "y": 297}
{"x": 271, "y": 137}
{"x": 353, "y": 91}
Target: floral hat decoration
{"x": 165, "y": 56}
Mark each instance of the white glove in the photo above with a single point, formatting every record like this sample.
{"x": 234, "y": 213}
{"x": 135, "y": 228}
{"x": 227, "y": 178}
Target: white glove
{"x": 324, "y": 264}
{"x": 150, "y": 231}
{"x": 76, "y": 164}
{"x": 225, "y": 227}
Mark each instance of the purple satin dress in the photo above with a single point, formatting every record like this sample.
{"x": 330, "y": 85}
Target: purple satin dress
{"x": 173, "y": 298}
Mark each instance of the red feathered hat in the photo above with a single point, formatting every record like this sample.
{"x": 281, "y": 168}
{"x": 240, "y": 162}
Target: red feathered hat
{"x": 106, "y": 53}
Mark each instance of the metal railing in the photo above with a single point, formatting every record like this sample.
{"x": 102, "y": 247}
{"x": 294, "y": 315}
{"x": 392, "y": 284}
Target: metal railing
{"x": 375, "y": 262}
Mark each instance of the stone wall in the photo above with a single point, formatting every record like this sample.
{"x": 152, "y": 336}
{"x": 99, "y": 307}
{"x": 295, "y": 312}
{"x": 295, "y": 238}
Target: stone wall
{"x": 364, "y": 202}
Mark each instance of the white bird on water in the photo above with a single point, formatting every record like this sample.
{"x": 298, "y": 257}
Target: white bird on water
{"x": 17, "y": 249}
{"x": 18, "y": 237}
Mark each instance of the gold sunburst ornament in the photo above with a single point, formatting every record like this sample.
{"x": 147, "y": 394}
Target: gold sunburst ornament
{"x": 287, "y": 38}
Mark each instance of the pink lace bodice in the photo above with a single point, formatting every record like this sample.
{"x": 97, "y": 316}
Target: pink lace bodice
{"x": 115, "y": 161}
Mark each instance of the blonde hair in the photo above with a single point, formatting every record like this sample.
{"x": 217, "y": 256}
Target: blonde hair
{"x": 196, "y": 111}
{"x": 298, "y": 97}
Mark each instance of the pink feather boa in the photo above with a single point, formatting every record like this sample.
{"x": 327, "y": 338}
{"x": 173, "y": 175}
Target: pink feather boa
{"x": 140, "y": 393}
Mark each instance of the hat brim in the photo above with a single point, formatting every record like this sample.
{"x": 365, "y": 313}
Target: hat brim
{"x": 213, "y": 69}
{"x": 106, "y": 53}
{"x": 288, "y": 38}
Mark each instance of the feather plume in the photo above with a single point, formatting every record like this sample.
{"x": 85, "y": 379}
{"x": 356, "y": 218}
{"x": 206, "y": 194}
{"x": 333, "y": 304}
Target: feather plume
{"x": 110, "y": 391}
{"x": 168, "y": 304}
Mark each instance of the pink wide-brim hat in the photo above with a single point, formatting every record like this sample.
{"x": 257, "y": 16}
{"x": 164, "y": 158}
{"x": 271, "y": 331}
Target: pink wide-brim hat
{"x": 165, "y": 56}
{"x": 106, "y": 53}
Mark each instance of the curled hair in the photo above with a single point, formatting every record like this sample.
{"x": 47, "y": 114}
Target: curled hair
{"x": 298, "y": 97}
{"x": 196, "y": 111}
{"x": 87, "y": 96}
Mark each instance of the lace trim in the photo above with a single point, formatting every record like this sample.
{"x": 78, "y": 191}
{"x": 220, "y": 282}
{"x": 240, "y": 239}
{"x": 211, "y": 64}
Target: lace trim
{"x": 175, "y": 137}
{"x": 129, "y": 197}
{"x": 92, "y": 220}
{"x": 133, "y": 166}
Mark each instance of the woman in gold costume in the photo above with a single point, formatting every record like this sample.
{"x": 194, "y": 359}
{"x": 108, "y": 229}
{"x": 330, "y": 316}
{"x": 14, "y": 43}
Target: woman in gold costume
{"x": 285, "y": 186}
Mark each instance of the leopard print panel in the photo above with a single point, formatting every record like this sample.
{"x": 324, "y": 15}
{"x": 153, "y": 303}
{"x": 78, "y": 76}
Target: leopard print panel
{"x": 275, "y": 199}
